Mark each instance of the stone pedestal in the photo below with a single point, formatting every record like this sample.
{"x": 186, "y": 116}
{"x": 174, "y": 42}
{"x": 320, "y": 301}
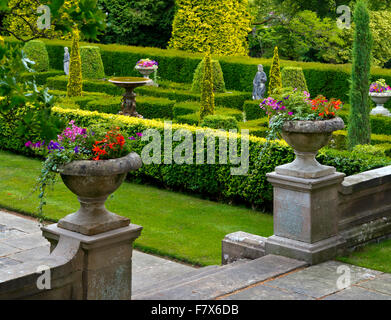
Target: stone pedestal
{"x": 305, "y": 217}
{"x": 106, "y": 268}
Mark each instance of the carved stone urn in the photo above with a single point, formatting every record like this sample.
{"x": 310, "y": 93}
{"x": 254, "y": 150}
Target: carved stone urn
{"x": 306, "y": 138}
{"x": 146, "y": 72}
{"x": 92, "y": 182}
{"x": 380, "y": 99}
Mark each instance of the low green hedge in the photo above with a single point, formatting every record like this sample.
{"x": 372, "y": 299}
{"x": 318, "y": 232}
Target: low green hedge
{"x": 60, "y": 83}
{"x": 212, "y": 180}
{"x": 41, "y": 77}
{"x": 256, "y": 127}
{"x": 179, "y": 66}
{"x": 187, "y": 107}
{"x": 189, "y": 113}
{"x": 252, "y": 110}
{"x": 216, "y": 121}
{"x": 228, "y": 99}
{"x": 339, "y": 140}
{"x": 216, "y": 180}
{"x": 149, "y": 107}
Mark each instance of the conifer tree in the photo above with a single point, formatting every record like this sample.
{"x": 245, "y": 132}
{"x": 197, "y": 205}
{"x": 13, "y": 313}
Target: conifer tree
{"x": 275, "y": 82}
{"x": 219, "y": 26}
{"x": 359, "y": 129}
{"x": 207, "y": 94}
{"x": 75, "y": 86}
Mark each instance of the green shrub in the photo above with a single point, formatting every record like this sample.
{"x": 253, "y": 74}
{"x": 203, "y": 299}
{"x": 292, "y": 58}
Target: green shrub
{"x": 36, "y": 51}
{"x": 256, "y": 127}
{"x": 252, "y": 109}
{"x": 183, "y": 108}
{"x": 293, "y": 77}
{"x": 41, "y": 77}
{"x": 75, "y": 86}
{"x": 207, "y": 90}
{"x": 229, "y": 112}
{"x": 275, "y": 81}
{"x": 192, "y": 119}
{"x": 91, "y": 63}
{"x": 376, "y": 150}
{"x": 339, "y": 140}
{"x": 149, "y": 108}
{"x": 218, "y": 78}
{"x": 220, "y": 122}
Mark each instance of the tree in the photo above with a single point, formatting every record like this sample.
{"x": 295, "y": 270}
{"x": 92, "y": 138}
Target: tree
{"x": 359, "y": 130}
{"x": 275, "y": 81}
{"x": 75, "y": 87}
{"x": 207, "y": 94}
{"x": 20, "y": 18}
{"x": 141, "y": 23}
{"x": 220, "y": 26}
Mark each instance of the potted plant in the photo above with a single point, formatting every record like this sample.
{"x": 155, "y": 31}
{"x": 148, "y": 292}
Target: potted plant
{"x": 92, "y": 164}
{"x": 146, "y": 67}
{"x": 380, "y": 93}
{"x": 306, "y": 125}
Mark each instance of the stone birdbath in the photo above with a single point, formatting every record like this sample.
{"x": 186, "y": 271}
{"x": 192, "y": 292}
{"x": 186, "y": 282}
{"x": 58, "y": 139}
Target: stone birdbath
{"x": 129, "y": 97}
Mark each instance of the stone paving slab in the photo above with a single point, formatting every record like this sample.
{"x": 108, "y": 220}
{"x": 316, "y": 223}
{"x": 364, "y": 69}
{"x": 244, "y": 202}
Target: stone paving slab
{"x": 321, "y": 280}
{"x": 381, "y": 284}
{"x": 358, "y": 293}
{"x": 264, "y": 292}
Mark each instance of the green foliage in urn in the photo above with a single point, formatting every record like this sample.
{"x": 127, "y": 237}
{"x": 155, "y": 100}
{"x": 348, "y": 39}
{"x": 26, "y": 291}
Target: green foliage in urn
{"x": 218, "y": 78}
{"x": 293, "y": 77}
{"x": 74, "y": 87}
{"x": 91, "y": 63}
{"x": 275, "y": 82}
{"x": 35, "y": 50}
{"x": 207, "y": 94}
{"x": 359, "y": 131}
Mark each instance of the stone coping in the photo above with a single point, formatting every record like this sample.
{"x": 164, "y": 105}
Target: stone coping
{"x": 312, "y": 126}
{"x": 102, "y": 167}
{"x": 366, "y": 180}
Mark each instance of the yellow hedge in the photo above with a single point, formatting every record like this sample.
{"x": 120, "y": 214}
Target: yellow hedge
{"x": 222, "y": 25}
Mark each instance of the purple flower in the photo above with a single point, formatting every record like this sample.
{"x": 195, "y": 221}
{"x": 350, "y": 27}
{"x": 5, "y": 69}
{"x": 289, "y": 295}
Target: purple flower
{"x": 139, "y": 134}
{"x": 28, "y": 144}
{"x": 76, "y": 149}
{"x": 54, "y": 146}
{"x": 290, "y": 113}
{"x": 132, "y": 138}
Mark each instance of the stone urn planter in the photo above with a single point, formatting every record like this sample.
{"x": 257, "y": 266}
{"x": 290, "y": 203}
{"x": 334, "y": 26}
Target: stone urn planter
{"x": 306, "y": 138}
{"x": 146, "y": 72}
{"x": 92, "y": 182}
{"x": 380, "y": 99}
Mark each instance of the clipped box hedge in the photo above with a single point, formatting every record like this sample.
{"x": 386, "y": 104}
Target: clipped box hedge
{"x": 41, "y": 77}
{"x": 252, "y": 110}
{"x": 256, "y": 127}
{"x": 179, "y": 66}
{"x": 192, "y": 118}
{"x": 216, "y": 180}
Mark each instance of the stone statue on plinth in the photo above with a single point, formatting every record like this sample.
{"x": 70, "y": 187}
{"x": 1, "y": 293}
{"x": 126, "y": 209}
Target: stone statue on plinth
{"x": 66, "y": 60}
{"x": 259, "y": 84}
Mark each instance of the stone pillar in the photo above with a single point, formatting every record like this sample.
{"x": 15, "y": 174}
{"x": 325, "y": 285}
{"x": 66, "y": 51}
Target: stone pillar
{"x": 107, "y": 260}
{"x": 305, "y": 217}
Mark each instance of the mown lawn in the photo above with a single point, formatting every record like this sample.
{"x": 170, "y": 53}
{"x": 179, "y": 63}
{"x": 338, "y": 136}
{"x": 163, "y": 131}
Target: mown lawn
{"x": 373, "y": 256}
{"x": 176, "y": 225}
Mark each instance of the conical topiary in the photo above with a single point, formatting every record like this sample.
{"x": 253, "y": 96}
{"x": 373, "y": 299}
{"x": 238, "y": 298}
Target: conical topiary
{"x": 293, "y": 77}
{"x": 91, "y": 63}
{"x": 218, "y": 78}
{"x": 207, "y": 94}
{"x": 35, "y": 50}
{"x": 75, "y": 86}
{"x": 275, "y": 82}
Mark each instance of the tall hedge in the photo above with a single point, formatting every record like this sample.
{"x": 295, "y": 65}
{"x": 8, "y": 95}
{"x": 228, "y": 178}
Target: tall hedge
{"x": 221, "y": 25}
{"x": 36, "y": 51}
{"x": 207, "y": 94}
{"x": 275, "y": 81}
{"x": 75, "y": 86}
{"x": 218, "y": 77}
{"x": 91, "y": 63}
{"x": 359, "y": 130}
{"x": 294, "y": 77}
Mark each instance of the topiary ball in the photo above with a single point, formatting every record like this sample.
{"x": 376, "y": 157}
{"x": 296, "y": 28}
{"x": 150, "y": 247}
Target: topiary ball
{"x": 293, "y": 77}
{"x": 91, "y": 63}
{"x": 218, "y": 78}
{"x": 35, "y": 50}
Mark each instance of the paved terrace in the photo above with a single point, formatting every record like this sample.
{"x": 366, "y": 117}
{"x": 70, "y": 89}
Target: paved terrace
{"x": 21, "y": 241}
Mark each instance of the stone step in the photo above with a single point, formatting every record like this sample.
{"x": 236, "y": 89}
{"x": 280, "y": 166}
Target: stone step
{"x": 224, "y": 280}
{"x": 182, "y": 279}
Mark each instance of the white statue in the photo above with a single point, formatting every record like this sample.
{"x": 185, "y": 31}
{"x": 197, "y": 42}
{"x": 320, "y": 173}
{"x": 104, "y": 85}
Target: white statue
{"x": 66, "y": 61}
{"x": 259, "y": 84}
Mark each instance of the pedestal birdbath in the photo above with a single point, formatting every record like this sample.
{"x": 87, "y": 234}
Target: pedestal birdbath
{"x": 129, "y": 97}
